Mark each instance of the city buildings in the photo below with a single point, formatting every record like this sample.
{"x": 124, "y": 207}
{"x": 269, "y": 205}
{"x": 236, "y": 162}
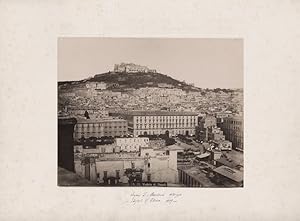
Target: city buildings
{"x": 116, "y": 167}
{"x": 100, "y": 127}
{"x": 116, "y": 107}
{"x": 160, "y": 122}
{"x": 93, "y": 112}
{"x": 96, "y": 85}
{"x": 205, "y": 122}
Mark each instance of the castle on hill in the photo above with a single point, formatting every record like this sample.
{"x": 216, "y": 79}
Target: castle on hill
{"x": 132, "y": 68}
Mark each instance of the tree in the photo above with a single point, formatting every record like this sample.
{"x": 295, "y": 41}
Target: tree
{"x": 170, "y": 141}
{"x": 86, "y": 114}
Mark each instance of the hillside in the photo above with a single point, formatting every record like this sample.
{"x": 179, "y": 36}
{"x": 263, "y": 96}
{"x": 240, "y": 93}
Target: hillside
{"x": 136, "y": 80}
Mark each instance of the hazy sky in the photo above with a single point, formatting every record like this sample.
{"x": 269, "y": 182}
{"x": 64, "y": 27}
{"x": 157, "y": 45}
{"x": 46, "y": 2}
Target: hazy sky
{"x": 208, "y": 63}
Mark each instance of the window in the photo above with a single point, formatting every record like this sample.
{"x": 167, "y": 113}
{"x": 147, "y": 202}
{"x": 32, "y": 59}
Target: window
{"x": 168, "y": 152}
{"x": 104, "y": 174}
{"x": 132, "y": 165}
{"x": 148, "y": 177}
{"x": 118, "y": 173}
{"x": 148, "y": 165}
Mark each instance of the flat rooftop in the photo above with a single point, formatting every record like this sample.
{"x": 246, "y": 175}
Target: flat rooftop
{"x": 197, "y": 174}
{"x": 158, "y": 113}
{"x": 99, "y": 120}
{"x": 230, "y": 173}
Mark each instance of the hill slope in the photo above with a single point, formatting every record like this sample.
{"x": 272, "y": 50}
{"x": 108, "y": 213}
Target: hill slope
{"x": 137, "y": 80}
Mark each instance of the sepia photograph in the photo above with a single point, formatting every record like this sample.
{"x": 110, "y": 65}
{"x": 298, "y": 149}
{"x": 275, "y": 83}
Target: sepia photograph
{"x": 157, "y": 112}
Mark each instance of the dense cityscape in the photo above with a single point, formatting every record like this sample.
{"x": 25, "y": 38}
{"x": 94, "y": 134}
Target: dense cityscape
{"x": 136, "y": 126}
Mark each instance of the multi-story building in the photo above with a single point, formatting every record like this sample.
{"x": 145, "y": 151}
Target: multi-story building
{"x": 215, "y": 133}
{"x": 155, "y": 165}
{"x": 205, "y": 122}
{"x": 132, "y": 144}
{"x": 160, "y": 122}
{"x": 100, "y": 127}
{"x": 234, "y": 131}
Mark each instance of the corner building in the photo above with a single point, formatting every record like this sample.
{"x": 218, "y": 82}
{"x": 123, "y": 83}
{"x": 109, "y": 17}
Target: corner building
{"x": 100, "y": 127}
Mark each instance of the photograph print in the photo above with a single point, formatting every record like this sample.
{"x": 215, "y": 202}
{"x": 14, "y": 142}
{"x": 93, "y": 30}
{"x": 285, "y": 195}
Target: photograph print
{"x": 156, "y": 112}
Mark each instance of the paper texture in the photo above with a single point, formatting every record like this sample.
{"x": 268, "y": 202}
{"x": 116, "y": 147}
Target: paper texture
{"x": 28, "y": 114}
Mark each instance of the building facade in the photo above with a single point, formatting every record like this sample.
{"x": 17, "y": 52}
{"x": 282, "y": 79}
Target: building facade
{"x": 100, "y": 127}
{"x": 215, "y": 133}
{"x": 204, "y": 123}
{"x": 161, "y": 122}
{"x": 233, "y": 128}
{"x": 132, "y": 144}
{"x": 155, "y": 165}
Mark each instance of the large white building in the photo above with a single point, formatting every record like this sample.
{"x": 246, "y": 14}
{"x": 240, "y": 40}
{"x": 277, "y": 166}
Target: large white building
{"x": 157, "y": 165}
{"x": 132, "y": 144}
{"x": 160, "y": 122}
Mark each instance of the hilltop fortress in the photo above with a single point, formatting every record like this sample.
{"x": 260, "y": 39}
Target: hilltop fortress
{"x": 132, "y": 68}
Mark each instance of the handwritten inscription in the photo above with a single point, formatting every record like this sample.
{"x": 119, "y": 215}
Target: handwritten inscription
{"x": 154, "y": 198}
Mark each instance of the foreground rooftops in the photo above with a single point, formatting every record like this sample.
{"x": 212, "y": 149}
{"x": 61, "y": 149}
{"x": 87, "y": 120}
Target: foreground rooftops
{"x": 158, "y": 113}
{"x": 230, "y": 173}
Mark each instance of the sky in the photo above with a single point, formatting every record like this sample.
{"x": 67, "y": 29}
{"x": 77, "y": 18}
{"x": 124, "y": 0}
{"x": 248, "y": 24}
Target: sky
{"x": 208, "y": 63}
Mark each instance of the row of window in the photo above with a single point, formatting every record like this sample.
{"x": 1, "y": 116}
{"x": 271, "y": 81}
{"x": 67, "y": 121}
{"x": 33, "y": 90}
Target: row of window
{"x": 233, "y": 122}
{"x": 105, "y": 127}
{"x": 165, "y": 120}
{"x": 140, "y": 126}
{"x": 130, "y": 140}
{"x": 89, "y": 134}
{"x": 143, "y": 132}
{"x": 105, "y": 174}
{"x": 155, "y": 117}
{"x": 101, "y": 125}
{"x": 118, "y": 174}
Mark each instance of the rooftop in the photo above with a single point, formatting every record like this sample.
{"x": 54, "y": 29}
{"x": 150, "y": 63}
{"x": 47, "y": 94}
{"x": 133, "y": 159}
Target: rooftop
{"x": 159, "y": 113}
{"x": 99, "y": 120}
{"x": 227, "y": 162}
{"x": 230, "y": 173}
{"x": 198, "y": 175}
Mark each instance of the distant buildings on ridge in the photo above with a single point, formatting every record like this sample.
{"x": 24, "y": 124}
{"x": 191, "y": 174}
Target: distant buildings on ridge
{"x": 132, "y": 68}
